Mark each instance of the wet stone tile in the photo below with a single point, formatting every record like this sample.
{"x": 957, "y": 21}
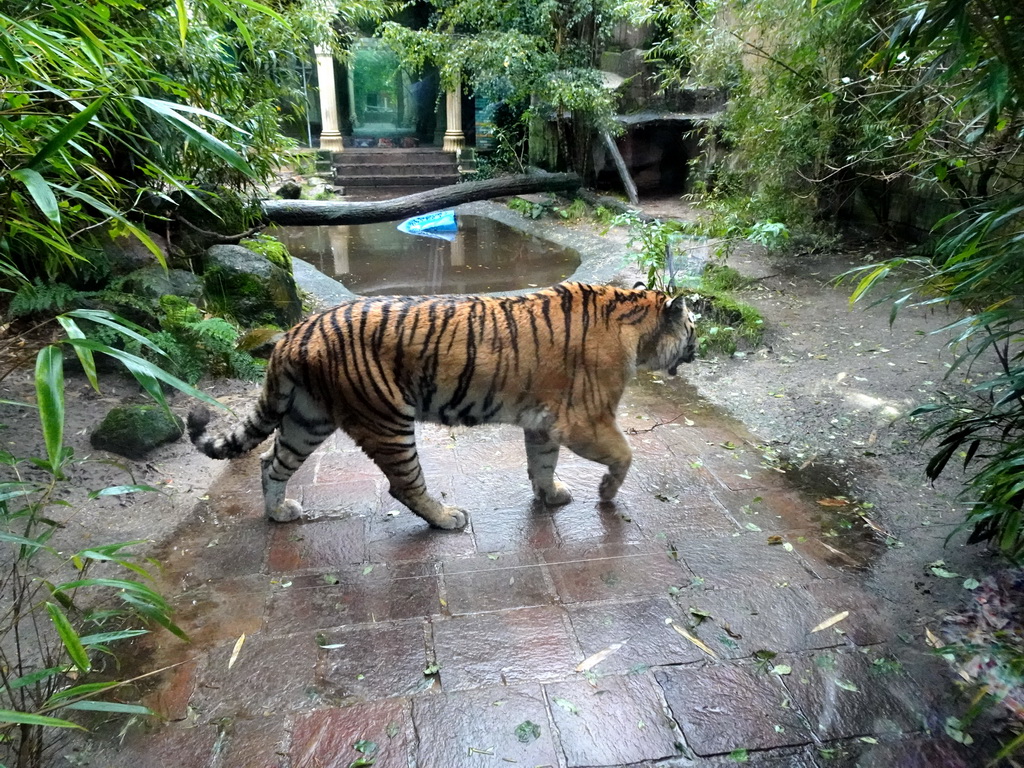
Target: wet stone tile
{"x": 192, "y": 747}
{"x": 371, "y": 661}
{"x": 622, "y": 720}
{"x": 490, "y": 726}
{"x": 173, "y": 691}
{"x": 271, "y": 675}
{"x": 741, "y": 469}
{"x": 508, "y": 647}
{"x": 606, "y": 521}
{"x": 404, "y": 536}
{"x": 843, "y": 694}
{"x": 348, "y": 595}
{"x": 326, "y": 738}
{"x": 220, "y": 611}
{"x": 317, "y": 544}
{"x": 740, "y": 622}
{"x": 508, "y": 528}
{"x": 361, "y": 496}
{"x": 660, "y": 516}
{"x": 741, "y": 561}
{"x": 496, "y": 582}
{"x": 865, "y": 625}
{"x": 614, "y": 571}
{"x": 727, "y": 707}
{"x": 343, "y": 464}
{"x": 646, "y": 639}
{"x": 260, "y": 742}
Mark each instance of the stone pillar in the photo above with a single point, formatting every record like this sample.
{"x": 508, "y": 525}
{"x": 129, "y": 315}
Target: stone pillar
{"x": 454, "y": 140}
{"x": 339, "y": 236}
{"x": 330, "y": 136}
{"x": 350, "y": 92}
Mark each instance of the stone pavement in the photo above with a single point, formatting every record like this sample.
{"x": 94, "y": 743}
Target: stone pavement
{"x": 672, "y": 627}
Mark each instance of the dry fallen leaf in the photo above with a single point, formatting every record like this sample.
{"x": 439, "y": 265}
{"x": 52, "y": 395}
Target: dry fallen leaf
{"x": 695, "y": 640}
{"x": 833, "y": 502}
{"x": 831, "y": 620}
{"x": 592, "y": 661}
{"x": 236, "y": 650}
{"x": 933, "y": 639}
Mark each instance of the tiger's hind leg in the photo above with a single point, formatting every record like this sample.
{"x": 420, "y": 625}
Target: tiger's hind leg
{"x": 303, "y": 428}
{"x": 541, "y": 458}
{"x": 604, "y": 443}
{"x": 400, "y": 462}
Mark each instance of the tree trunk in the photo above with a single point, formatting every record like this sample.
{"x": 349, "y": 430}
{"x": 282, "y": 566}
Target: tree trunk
{"x": 318, "y": 213}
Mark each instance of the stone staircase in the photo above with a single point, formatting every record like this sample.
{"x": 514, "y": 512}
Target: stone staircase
{"x": 359, "y": 169}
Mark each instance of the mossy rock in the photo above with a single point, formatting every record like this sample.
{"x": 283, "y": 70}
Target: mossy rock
{"x": 250, "y": 288}
{"x": 133, "y": 431}
{"x": 156, "y": 282}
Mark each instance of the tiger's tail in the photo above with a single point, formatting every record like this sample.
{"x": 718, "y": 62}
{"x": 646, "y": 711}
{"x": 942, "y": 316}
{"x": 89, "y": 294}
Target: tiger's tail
{"x": 254, "y": 429}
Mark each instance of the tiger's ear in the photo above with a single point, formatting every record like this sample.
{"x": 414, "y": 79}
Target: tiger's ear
{"x": 639, "y": 286}
{"x": 676, "y": 307}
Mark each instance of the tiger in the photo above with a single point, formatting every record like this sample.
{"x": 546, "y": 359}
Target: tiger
{"x": 554, "y": 362}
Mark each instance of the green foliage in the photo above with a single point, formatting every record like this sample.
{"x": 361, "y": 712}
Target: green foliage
{"x": 529, "y": 209}
{"x": 272, "y": 248}
{"x": 40, "y": 297}
{"x": 535, "y": 59}
{"x": 59, "y": 619}
{"x": 103, "y": 107}
{"x": 199, "y": 345}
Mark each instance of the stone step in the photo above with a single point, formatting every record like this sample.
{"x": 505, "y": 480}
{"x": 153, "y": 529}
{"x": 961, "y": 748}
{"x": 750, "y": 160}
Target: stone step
{"x": 392, "y": 157}
{"x": 403, "y": 180}
{"x": 358, "y": 169}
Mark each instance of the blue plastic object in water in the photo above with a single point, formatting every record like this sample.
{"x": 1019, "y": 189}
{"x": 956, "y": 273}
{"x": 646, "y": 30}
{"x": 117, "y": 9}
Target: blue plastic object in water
{"x": 441, "y": 224}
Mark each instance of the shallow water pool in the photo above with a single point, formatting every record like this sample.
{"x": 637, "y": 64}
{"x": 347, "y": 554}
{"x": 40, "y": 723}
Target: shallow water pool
{"x": 378, "y": 259}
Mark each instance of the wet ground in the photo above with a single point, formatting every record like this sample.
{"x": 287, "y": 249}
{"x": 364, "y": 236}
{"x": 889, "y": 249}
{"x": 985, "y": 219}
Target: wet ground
{"x": 752, "y": 599}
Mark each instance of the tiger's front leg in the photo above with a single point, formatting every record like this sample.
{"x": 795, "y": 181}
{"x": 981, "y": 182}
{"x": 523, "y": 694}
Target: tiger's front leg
{"x": 399, "y": 461}
{"x": 604, "y": 443}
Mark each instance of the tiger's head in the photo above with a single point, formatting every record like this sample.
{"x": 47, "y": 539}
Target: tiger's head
{"x": 675, "y": 340}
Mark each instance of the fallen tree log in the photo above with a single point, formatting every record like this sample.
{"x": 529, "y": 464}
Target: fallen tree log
{"x": 319, "y": 213}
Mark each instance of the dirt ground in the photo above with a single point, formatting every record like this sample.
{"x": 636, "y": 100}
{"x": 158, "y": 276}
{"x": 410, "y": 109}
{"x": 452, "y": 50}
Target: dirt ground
{"x": 826, "y": 393}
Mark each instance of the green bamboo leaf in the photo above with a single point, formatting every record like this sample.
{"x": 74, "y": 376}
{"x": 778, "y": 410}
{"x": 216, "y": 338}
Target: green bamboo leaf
{"x": 50, "y": 397}
{"x": 69, "y": 637}
{"x": 35, "y": 677}
{"x": 156, "y": 615}
{"x": 22, "y": 541}
{"x": 85, "y": 356}
{"x": 26, "y": 718}
{"x": 102, "y": 638}
{"x": 110, "y": 706}
{"x": 171, "y": 113}
{"x": 182, "y": 13}
{"x": 137, "y": 366}
{"x": 119, "y": 324}
{"x": 85, "y": 689}
{"x": 105, "y": 209}
{"x": 40, "y": 191}
{"x": 65, "y": 134}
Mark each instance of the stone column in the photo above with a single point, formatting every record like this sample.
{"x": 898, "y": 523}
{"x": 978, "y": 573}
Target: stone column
{"x": 454, "y": 140}
{"x": 330, "y": 136}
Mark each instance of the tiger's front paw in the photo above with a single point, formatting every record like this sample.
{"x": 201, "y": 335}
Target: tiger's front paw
{"x": 287, "y": 511}
{"x": 555, "y": 496}
{"x": 452, "y": 518}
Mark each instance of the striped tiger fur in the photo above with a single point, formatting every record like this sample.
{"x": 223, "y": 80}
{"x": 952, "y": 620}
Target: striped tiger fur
{"x": 555, "y": 362}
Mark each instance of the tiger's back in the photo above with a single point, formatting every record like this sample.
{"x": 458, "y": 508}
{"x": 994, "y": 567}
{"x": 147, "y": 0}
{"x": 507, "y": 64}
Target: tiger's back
{"x": 555, "y": 362}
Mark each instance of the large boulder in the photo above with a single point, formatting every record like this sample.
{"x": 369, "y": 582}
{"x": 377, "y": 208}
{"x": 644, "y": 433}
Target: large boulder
{"x": 133, "y": 431}
{"x": 126, "y": 253}
{"x": 250, "y": 287}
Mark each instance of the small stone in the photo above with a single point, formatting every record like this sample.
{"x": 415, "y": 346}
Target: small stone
{"x": 133, "y": 431}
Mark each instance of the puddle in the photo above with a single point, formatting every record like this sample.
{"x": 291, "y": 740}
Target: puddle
{"x": 378, "y": 259}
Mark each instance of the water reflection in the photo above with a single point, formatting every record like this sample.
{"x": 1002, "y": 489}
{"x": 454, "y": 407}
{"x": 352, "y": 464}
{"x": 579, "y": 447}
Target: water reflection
{"x": 378, "y": 259}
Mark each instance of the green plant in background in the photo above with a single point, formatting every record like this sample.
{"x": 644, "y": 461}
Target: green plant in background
{"x": 61, "y": 619}
{"x": 533, "y": 60}
{"x": 529, "y": 209}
